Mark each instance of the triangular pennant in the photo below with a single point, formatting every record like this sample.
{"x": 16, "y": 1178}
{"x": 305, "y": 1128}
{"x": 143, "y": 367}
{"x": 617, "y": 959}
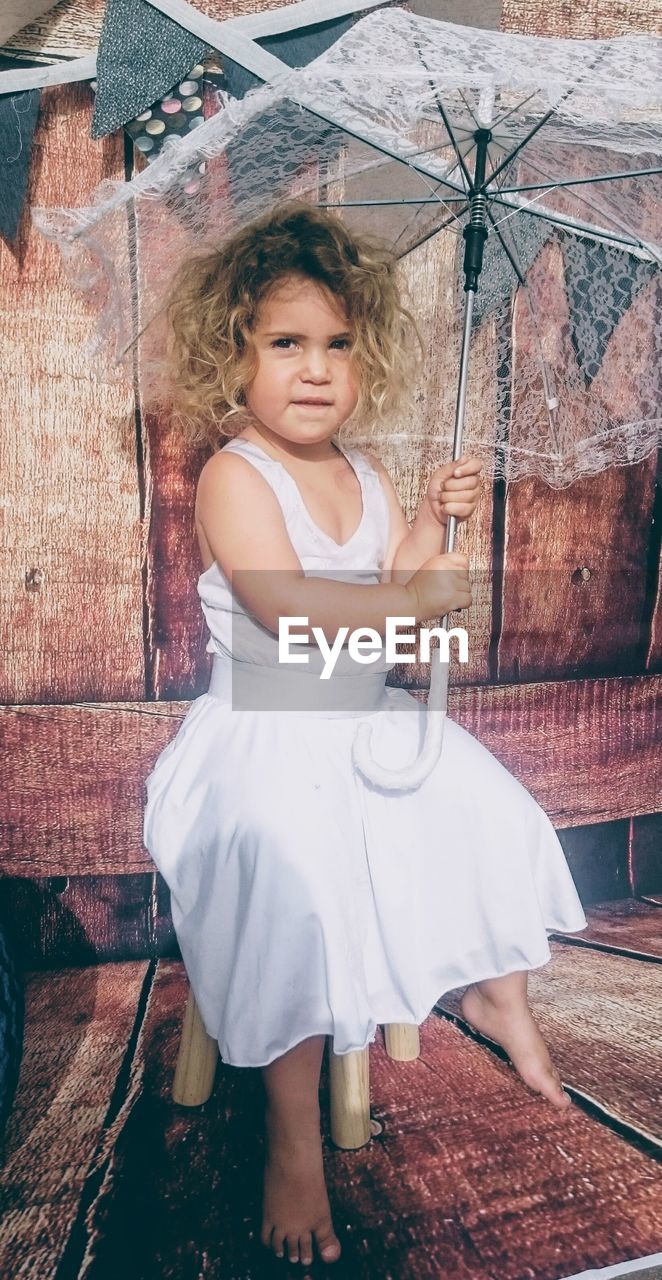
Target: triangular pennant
{"x": 18, "y": 117}
{"x": 498, "y": 277}
{"x": 295, "y": 48}
{"x": 142, "y": 54}
{"x": 172, "y": 116}
{"x": 601, "y": 282}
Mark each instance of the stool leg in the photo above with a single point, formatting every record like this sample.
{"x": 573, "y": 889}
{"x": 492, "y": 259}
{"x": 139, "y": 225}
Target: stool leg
{"x": 349, "y": 1082}
{"x": 403, "y": 1041}
{"x": 196, "y": 1060}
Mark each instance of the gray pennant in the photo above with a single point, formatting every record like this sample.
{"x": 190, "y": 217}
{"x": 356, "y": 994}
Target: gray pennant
{"x": 498, "y": 278}
{"x": 294, "y": 48}
{"x": 142, "y": 54}
{"x": 602, "y": 282}
{"x": 18, "y": 117}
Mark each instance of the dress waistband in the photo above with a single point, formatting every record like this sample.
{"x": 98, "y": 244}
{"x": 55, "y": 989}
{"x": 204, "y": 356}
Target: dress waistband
{"x": 250, "y": 687}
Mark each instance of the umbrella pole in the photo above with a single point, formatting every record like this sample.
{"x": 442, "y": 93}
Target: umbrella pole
{"x": 438, "y": 695}
{"x": 460, "y": 406}
{"x": 475, "y": 235}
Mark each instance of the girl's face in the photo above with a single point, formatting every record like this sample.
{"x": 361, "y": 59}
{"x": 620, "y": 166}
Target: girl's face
{"x": 306, "y": 385}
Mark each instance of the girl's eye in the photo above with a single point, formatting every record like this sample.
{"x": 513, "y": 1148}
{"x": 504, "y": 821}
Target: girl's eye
{"x": 284, "y": 344}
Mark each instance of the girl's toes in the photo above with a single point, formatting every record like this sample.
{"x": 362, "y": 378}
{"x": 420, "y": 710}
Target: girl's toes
{"x": 556, "y": 1093}
{"x": 278, "y": 1242}
{"x": 328, "y": 1242}
{"x": 563, "y": 1099}
{"x": 293, "y": 1248}
{"x": 306, "y": 1248}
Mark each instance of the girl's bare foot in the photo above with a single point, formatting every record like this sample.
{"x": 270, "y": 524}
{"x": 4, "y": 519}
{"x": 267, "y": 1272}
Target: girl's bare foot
{"x": 498, "y": 1009}
{"x": 296, "y": 1205}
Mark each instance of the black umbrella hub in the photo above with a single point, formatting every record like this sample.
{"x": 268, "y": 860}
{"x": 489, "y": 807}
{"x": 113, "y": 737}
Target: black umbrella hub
{"x": 475, "y": 232}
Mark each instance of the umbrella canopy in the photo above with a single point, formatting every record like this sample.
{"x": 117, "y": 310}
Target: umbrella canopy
{"x": 385, "y": 127}
{"x": 538, "y": 160}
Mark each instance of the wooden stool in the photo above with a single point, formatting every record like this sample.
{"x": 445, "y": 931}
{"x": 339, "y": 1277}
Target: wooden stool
{"x": 349, "y": 1076}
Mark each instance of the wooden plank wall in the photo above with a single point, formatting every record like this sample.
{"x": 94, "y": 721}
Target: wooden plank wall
{"x": 104, "y": 652}
{"x": 71, "y": 600}
{"x": 556, "y": 617}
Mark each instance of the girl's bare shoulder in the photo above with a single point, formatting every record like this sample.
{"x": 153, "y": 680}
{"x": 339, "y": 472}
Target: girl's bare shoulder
{"x": 227, "y": 471}
{"x": 240, "y": 517}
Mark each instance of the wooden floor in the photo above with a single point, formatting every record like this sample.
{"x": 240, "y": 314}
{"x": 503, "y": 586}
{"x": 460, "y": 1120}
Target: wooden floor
{"x": 474, "y": 1177}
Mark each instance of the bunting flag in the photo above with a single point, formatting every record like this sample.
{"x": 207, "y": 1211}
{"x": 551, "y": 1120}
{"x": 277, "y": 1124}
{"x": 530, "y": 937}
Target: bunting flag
{"x": 499, "y": 278}
{"x": 295, "y": 48}
{"x": 18, "y": 117}
{"x": 595, "y": 311}
{"x": 149, "y": 72}
{"x": 176, "y": 114}
{"x": 142, "y": 55}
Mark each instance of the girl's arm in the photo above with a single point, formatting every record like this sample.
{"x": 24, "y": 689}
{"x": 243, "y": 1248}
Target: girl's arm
{"x": 453, "y": 490}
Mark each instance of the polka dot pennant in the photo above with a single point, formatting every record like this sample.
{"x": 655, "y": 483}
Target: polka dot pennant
{"x": 142, "y": 53}
{"x": 173, "y": 116}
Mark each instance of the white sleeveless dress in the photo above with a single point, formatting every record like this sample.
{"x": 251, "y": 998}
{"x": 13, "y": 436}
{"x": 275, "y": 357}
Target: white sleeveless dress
{"x": 307, "y": 901}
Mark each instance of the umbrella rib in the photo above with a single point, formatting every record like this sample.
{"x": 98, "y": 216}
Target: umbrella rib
{"x": 470, "y": 149}
{"x": 508, "y": 159}
{"x": 435, "y": 231}
{"x": 583, "y": 200}
{"x": 387, "y": 151}
{"x": 378, "y": 146}
{"x": 364, "y": 204}
{"x": 511, "y": 156}
{"x": 510, "y": 256}
{"x": 517, "y": 107}
{"x": 469, "y": 109}
{"x": 454, "y": 144}
{"x": 576, "y": 182}
{"x": 549, "y": 397}
{"x": 582, "y": 228}
{"x": 449, "y": 131}
{"x": 454, "y": 217}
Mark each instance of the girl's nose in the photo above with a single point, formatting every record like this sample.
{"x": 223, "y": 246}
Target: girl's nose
{"x": 315, "y": 367}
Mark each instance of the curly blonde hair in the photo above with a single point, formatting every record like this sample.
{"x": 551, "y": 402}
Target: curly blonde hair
{"x": 213, "y": 301}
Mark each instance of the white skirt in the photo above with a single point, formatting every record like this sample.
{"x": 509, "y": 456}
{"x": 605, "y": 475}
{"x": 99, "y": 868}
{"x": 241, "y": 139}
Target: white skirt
{"x": 307, "y": 901}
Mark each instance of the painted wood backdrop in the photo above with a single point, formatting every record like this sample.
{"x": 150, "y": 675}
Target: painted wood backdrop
{"x": 100, "y": 626}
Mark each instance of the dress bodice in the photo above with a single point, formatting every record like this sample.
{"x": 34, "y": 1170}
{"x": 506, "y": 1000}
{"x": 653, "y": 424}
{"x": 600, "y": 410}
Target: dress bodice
{"x": 235, "y": 632}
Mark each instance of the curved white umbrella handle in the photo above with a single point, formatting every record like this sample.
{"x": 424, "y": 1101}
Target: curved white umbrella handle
{"x": 415, "y": 773}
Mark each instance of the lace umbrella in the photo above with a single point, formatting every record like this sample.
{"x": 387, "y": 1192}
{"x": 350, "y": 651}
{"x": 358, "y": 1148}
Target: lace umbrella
{"x": 412, "y": 128}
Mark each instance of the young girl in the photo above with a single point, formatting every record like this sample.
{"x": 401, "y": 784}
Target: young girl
{"x": 307, "y": 902}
